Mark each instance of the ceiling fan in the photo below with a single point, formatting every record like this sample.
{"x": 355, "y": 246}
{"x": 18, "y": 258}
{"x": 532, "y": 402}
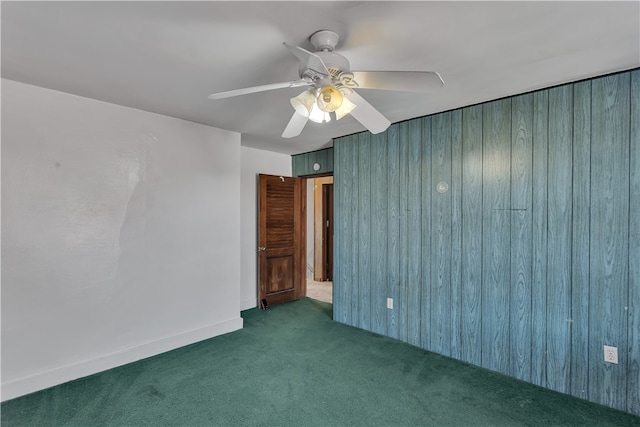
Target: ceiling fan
{"x": 332, "y": 87}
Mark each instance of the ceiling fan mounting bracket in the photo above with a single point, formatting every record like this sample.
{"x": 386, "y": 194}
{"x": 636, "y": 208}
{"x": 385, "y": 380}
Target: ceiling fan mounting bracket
{"x": 324, "y": 40}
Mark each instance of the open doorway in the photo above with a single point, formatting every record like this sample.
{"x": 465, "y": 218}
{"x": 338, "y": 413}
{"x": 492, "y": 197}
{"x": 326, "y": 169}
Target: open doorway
{"x": 320, "y": 238}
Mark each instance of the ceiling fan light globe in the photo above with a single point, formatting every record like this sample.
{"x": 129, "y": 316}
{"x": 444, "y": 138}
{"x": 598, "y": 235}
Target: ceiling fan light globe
{"x": 346, "y": 107}
{"x": 329, "y": 99}
{"x": 303, "y": 103}
{"x": 319, "y": 116}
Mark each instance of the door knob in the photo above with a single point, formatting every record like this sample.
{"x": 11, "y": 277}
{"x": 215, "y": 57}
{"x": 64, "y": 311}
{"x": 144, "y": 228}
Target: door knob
{"x": 261, "y": 248}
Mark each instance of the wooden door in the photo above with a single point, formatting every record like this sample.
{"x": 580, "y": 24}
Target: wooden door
{"x": 281, "y": 239}
{"x": 327, "y": 231}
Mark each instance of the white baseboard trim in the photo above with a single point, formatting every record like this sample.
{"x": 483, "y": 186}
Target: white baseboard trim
{"x": 40, "y": 381}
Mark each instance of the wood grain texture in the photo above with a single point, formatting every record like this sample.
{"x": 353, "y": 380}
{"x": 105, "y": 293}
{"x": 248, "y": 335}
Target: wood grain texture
{"x": 342, "y": 218}
{"x": 609, "y": 236}
{"x": 363, "y": 250}
{"x": 530, "y": 262}
{"x": 297, "y": 164}
{"x": 441, "y": 234}
{"x": 414, "y": 225}
{"x": 633, "y": 343}
{"x": 456, "y": 233}
{"x": 400, "y": 305}
{"x": 539, "y": 238}
{"x": 326, "y": 160}
{"x": 521, "y": 225}
{"x": 393, "y": 228}
{"x": 496, "y": 161}
{"x": 425, "y": 299}
{"x": 279, "y": 274}
{"x": 302, "y": 164}
{"x": 339, "y": 283}
{"x": 471, "y": 310}
{"x": 580, "y": 245}
{"x": 281, "y": 222}
{"x": 352, "y": 244}
{"x": 559, "y": 235}
{"x": 300, "y": 267}
{"x": 379, "y": 211}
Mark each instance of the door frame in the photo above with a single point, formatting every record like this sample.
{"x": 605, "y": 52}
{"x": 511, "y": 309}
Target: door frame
{"x": 299, "y": 245}
{"x": 318, "y": 244}
{"x": 327, "y": 231}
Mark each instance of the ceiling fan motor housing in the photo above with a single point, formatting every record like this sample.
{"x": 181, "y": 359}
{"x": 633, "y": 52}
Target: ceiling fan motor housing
{"x": 326, "y": 40}
{"x": 335, "y": 62}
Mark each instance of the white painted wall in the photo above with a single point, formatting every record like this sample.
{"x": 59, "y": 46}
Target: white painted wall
{"x": 254, "y": 162}
{"x": 120, "y": 235}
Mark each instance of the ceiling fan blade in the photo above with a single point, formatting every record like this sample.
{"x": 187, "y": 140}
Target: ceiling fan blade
{"x": 261, "y": 88}
{"x": 295, "y": 126}
{"x": 403, "y": 81}
{"x": 309, "y": 59}
{"x": 367, "y": 115}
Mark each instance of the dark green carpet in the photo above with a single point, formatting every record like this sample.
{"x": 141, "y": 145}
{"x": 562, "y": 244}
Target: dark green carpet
{"x": 292, "y": 365}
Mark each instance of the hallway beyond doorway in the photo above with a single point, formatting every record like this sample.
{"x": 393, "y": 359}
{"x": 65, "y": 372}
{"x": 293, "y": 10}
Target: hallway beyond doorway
{"x": 321, "y": 291}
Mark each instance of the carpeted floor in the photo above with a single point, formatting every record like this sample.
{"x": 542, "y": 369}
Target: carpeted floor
{"x": 293, "y": 366}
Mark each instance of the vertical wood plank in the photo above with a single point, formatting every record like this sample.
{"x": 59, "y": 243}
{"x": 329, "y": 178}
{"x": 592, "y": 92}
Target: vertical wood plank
{"x": 496, "y": 229}
{"x": 471, "y": 326}
{"x": 521, "y": 223}
{"x": 441, "y": 238}
{"x": 352, "y": 273}
{"x": 300, "y": 229}
{"x": 306, "y": 164}
{"x": 364, "y": 230}
{"x": 379, "y": 210}
{"x": 313, "y": 157}
{"x": 539, "y": 238}
{"x": 400, "y": 305}
{"x": 609, "y": 236}
{"x": 456, "y": 232}
{"x": 559, "y": 229}
{"x": 338, "y": 231}
{"x": 393, "y": 228}
{"x": 295, "y": 165}
{"x": 336, "y": 244}
{"x": 321, "y": 158}
{"x": 346, "y": 223}
{"x": 633, "y": 383}
{"x": 330, "y": 154}
{"x": 302, "y": 164}
{"x": 414, "y": 252}
{"x": 425, "y": 300}
{"x": 579, "y": 367}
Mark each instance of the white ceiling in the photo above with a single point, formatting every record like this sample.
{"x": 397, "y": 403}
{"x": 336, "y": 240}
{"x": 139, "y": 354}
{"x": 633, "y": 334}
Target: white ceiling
{"x": 166, "y": 57}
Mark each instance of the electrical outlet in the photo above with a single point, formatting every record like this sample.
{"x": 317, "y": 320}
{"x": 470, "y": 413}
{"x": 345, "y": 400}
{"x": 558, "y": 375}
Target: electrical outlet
{"x": 390, "y": 303}
{"x": 611, "y": 354}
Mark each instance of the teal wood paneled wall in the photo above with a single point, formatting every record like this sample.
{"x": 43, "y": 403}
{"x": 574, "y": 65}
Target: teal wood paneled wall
{"x": 302, "y": 164}
{"x": 507, "y": 234}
